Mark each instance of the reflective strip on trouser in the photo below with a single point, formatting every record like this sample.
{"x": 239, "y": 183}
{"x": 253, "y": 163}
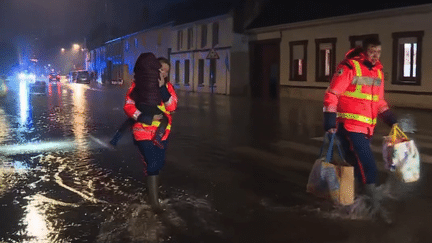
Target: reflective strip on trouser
{"x": 357, "y": 117}
{"x": 357, "y": 152}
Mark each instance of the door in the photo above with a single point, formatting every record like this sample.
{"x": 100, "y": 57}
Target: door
{"x": 265, "y": 69}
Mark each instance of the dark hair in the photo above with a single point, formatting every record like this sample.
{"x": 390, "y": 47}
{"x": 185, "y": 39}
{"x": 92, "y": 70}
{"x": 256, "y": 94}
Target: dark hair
{"x": 164, "y": 60}
{"x": 146, "y": 77}
{"x": 370, "y": 41}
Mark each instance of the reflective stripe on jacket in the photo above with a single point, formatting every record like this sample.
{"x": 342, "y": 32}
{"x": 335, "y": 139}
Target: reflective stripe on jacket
{"x": 356, "y": 93}
{"x": 143, "y": 131}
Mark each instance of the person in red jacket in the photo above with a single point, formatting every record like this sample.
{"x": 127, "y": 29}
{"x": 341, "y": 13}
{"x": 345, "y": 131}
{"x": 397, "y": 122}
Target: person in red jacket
{"x": 146, "y": 126}
{"x": 352, "y": 103}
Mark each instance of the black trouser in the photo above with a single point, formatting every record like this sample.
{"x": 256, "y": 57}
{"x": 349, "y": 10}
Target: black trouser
{"x": 357, "y": 150}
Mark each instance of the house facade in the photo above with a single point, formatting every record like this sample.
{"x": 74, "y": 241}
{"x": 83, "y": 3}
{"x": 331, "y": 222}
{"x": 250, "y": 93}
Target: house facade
{"x": 207, "y": 56}
{"x": 156, "y": 40}
{"x": 303, "y": 55}
{"x": 116, "y": 58}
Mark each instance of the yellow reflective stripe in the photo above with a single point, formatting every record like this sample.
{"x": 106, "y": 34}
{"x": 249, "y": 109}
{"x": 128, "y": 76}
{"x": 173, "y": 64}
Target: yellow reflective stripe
{"x": 380, "y": 75}
{"x": 357, "y": 117}
{"x": 163, "y": 109}
{"x": 358, "y": 68}
{"x": 156, "y": 124}
{"x": 359, "y": 95}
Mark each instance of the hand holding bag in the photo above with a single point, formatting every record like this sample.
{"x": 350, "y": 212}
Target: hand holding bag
{"x": 330, "y": 179}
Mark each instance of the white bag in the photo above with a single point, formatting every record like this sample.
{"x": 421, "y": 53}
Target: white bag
{"x": 400, "y": 155}
{"x": 406, "y": 160}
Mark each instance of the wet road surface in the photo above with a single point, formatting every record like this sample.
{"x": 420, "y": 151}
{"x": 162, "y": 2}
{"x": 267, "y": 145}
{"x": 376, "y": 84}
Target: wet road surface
{"x": 236, "y": 171}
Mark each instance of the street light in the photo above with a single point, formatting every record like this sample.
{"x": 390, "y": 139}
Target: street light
{"x": 63, "y": 50}
{"x": 76, "y": 47}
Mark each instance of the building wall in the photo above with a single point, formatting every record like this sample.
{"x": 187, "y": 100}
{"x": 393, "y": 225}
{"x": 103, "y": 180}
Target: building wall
{"x": 384, "y": 23}
{"x": 156, "y": 40}
{"x": 195, "y": 52}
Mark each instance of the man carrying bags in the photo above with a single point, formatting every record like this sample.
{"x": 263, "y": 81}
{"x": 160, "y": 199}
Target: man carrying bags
{"x": 352, "y": 103}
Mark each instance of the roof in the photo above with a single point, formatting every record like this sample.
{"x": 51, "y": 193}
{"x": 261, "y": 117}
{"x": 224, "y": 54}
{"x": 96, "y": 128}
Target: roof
{"x": 277, "y": 13}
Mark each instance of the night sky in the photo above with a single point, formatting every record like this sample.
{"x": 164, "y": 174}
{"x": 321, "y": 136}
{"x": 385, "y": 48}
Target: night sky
{"x": 49, "y": 25}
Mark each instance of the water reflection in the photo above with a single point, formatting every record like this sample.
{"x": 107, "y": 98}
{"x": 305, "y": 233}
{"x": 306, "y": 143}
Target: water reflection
{"x": 24, "y": 103}
{"x": 4, "y": 126}
{"x": 79, "y": 114}
{"x": 36, "y": 221}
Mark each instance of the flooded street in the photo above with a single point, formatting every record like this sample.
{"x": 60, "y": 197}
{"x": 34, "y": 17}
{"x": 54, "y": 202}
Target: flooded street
{"x": 236, "y": 171}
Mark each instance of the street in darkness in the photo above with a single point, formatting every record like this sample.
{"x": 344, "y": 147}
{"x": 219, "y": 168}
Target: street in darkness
{"x": 236, "y": 171}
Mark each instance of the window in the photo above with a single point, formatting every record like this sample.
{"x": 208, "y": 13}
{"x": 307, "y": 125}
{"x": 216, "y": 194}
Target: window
{"x": 298, "y": 60}
{"x": 215, "y": 34}
{"x": 203, "y": 35}
{"x": 177, "y": 72}
{"x": 190, "y": 38}
{"x": 407, "y": 47}
{"x": 325, "y": 59}
{"x": 179, "y": 40}
{"x": 357, "y": 40}
{"x": 201, "y": 72}
{"x": 186, "y": 72}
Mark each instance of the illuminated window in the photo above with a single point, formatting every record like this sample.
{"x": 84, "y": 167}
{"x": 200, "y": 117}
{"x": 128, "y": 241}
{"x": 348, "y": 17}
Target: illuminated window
{"x": 407, "y": 47}
{"x": 325, "y": 59}
{"x": 200, "y": 72}
{"x": 298, "y": 60}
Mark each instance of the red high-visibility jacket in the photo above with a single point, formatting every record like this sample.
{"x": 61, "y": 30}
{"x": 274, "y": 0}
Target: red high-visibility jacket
{"x": 356, "y": 93}
{"x": 142, "y": 131}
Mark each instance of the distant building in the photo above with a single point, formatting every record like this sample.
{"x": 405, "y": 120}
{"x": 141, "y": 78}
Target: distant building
{"x": 207, "y": 50}
{"x": 156, "y": 40}
{"x": 207, "y": 56}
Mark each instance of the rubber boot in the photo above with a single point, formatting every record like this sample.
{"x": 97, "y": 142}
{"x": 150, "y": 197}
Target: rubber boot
{"x": 153, "y": 192}
{"x": 377, "y": 210}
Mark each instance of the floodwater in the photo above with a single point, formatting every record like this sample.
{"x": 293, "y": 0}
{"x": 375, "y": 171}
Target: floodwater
{"x": 236, "y": 171}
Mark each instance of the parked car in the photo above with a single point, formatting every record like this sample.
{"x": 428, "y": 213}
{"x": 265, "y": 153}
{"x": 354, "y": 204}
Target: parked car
{"x": 52, "y": 77}
{"x": 83, "y": 77}
{"x": 118, "y": 81}
{"x": 38, "y": 87}
{"x": 72, "y": 76}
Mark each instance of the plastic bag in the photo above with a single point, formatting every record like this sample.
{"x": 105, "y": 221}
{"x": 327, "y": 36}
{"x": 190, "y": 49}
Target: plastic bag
{"x": 330, "y": 179}
{"x": 401, "y": 155}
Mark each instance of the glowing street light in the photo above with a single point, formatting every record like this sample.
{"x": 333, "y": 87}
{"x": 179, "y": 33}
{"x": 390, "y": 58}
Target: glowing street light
{"x": 63, "y": 50}
{"x": 76, "y": 47}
